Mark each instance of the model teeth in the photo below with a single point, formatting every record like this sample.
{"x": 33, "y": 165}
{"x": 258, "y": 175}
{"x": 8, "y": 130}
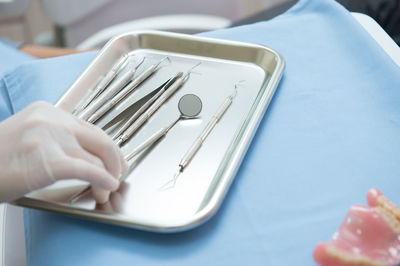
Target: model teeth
{"x": 351, "y": 259}
{"x": 389, "y": 206}
{"x": 350, "y": 246}
{"x": 389, "y": 218}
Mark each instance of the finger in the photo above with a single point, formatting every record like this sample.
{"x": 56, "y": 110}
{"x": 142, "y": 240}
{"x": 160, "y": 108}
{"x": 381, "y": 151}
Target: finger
{"x": 117, "y": 201}
{"x": 123, "y": 188}
{"x": 105, "y": 208}
{"x": 100, "y": 195}
{"x": 79, "y": 153}
{"x": 95, "y": 141}
{"x": 73, "y": 168}
{"x": 124, "y": 164}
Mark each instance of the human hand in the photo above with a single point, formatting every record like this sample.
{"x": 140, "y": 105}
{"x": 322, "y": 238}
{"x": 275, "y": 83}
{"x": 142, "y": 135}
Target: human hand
{"x": 43, "y": 144}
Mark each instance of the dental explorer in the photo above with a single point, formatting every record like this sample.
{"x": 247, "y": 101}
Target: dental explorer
{"x": 201, "y": 138}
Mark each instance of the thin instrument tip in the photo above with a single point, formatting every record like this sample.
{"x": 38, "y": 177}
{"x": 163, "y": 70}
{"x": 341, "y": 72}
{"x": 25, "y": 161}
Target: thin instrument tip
{"x": 171, "y": 183}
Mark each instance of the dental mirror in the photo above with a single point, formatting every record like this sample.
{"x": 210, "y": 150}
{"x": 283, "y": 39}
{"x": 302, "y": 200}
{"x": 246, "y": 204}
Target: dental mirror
{"x": 189, "y": 107}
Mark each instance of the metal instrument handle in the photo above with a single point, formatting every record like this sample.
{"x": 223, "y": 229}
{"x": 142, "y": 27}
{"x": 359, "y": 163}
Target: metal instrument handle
{"x": 113, "y": 88}
{"x": 204, "y": 134}
{"x": 156, "y": 136}
{"x": 122, "y": 94}
{"x": 154, "y": 107}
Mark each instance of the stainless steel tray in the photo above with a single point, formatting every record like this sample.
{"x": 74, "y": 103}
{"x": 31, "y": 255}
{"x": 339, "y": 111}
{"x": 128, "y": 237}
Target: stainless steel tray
{"x": 199, "y": 191}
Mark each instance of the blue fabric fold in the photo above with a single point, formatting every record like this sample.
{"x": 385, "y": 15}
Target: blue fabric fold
{"x": 44, "y": 80}
{"x": 330, "y": 134}
{"x": 11, "y": 58}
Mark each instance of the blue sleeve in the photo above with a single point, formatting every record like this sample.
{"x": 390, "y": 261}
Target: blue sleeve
{"x": 330, "y": 134}
{"x": 9, "y": 59}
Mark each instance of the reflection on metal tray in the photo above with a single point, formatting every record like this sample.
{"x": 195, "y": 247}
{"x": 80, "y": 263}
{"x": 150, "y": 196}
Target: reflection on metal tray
{"x": 200, "y": 188}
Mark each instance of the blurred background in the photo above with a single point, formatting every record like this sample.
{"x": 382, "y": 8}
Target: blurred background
{"x": 70, "y": 23}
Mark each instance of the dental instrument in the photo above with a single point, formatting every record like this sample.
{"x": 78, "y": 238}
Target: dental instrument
{"x": 109, "y": 92}
{"x": 154, "y": 107}
{"x": 189, "y": 107}
{"x": 103, "y": 83}
{"x": 125, "y": 113}
{"x": 124, "y": 92}
{"x": 160, "y": 90}
{"x": 201, "y": 138}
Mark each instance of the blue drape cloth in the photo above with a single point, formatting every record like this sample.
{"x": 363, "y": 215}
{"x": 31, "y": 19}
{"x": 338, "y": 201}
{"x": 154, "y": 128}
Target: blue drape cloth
{"x": 331, "y": 133}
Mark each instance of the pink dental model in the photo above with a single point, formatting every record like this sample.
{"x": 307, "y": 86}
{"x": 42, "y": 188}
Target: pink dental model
{"x": 368, "y": 236}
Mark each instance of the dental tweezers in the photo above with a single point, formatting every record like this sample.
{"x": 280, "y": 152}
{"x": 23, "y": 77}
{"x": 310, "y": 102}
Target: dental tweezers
{"x": 145, "y": 106}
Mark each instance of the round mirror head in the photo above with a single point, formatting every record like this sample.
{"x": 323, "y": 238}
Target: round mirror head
{"x": 190, "y": 105}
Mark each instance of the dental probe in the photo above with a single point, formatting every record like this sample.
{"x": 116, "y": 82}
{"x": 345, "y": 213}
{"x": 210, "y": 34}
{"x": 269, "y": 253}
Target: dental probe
{"x": 133, "y": 118}
{"x": 131, "y": 86}
{"x": 154, "y": 107}
{"x": 112, "y": 89}
{"x": 201, "y": 138}
{"x": 207, "y": 130}
{"x": 106, "y": 79}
